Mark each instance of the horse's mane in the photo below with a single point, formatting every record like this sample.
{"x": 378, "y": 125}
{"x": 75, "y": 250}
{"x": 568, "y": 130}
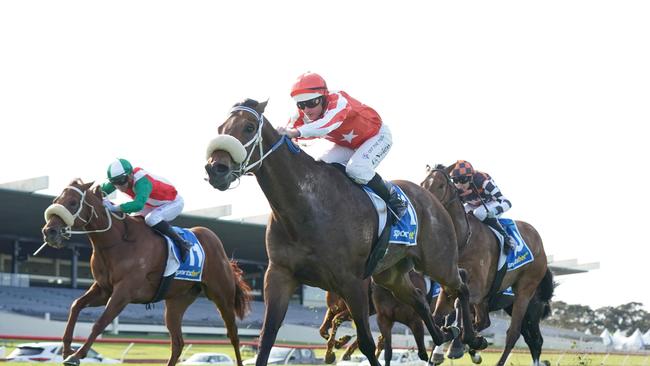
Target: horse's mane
{"x": 439, "y": 166}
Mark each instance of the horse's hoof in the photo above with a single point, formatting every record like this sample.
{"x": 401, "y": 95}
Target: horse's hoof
{"x": 476, "y": 357}
{"x": 479, "y": 343}
{"x": 546, "y": 363}
{"x": 450, "y": 333}
{"x": 71, "y": 361}
{"x": 343, "y": 341}
{"x": 346, "y": 357}
{"x": 455, "y": 353}
{"x": 438, "y": 358}
{"x": 330, "y": 357}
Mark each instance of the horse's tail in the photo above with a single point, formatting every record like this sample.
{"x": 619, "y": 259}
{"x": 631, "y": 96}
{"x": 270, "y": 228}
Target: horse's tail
{"x": 242, "y": 292}
{"x": 545, "y": 291}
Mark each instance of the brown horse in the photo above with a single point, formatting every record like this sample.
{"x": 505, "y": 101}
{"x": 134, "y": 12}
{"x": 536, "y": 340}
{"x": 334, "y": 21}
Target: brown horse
{"x": 323, "y": 226}
{"x": 337, "y": 313}
{"x": 481, "y": 262}
{"x": 127, "y": 264}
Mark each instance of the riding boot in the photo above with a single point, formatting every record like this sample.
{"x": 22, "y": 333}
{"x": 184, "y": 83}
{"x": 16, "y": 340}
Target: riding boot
{"x": 508, "y": 242}
{"x": 386, "y": 191}
{"x": 165, "y": 228}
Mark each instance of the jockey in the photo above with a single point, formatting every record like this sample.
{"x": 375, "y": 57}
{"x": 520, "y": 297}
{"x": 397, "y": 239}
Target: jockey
{"x": 482, "y": 198}
{"x": 153, "y": 197}
{"x": 361, "y": 140}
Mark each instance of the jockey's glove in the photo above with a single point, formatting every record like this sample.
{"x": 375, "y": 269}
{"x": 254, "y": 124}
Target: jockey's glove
{"x": 480, "y": 213}
{"x": 111, "y": 206}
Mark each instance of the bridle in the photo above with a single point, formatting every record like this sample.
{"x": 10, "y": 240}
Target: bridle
{"x": 70, "y": 218}
{"x": 256, "y": 141}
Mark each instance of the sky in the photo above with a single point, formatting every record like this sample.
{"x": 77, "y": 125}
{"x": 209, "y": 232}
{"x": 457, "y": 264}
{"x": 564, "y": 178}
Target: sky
{"x": 550, "y": 98}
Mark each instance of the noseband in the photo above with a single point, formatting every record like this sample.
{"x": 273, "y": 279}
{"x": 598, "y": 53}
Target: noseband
{"x": 69, "y": 218}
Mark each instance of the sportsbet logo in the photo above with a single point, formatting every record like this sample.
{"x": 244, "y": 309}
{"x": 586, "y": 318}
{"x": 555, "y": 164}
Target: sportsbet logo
{"x": 403, "y": 234}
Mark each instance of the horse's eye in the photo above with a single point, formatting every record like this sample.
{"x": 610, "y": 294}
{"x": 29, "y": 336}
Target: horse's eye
{"x": 74, "y": 203}
{"x": 249, "y": 128}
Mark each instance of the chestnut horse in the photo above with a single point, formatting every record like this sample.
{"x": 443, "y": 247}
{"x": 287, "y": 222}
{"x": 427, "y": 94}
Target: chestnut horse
{"x": 127, "y": 264}
{"x": 323, "y": 226}
{"x": 481, "y": 265}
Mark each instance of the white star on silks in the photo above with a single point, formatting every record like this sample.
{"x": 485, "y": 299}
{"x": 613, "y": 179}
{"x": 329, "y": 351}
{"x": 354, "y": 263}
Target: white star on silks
{"x": 348, "y": 137}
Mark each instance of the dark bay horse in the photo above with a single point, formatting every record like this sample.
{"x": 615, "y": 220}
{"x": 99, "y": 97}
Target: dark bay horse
{"x": 479, "y": 253}
{"x": 322, "y": 228}
{"x": 389, "y": 310}
{"x": 127, "y": 264}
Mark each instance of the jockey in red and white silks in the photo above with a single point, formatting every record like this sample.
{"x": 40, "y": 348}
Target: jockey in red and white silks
{"x": 361, "y": 140}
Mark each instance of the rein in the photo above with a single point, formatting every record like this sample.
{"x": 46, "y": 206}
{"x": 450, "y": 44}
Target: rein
{"x": 245, "y": 167}
{"x": 456, "y": 197}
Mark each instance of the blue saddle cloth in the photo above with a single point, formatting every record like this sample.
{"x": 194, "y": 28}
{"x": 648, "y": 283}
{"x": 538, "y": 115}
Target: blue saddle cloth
{"x": 522, "y": 254}
{"x": 405, "y": 231}
{"x": 192, "y": 268}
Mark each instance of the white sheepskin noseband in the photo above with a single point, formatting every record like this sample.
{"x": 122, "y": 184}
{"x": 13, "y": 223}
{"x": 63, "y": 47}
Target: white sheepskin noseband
{"x": 228, "y": 144}
{"x": 60, "y": 211}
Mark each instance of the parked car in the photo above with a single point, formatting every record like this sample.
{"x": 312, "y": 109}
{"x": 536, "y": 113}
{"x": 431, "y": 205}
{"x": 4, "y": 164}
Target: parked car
{"x": 208, "y": 358}
{"x": 289, "y": 356}
{"x": 51, "y": 352}
{"x": 401, "y": 357}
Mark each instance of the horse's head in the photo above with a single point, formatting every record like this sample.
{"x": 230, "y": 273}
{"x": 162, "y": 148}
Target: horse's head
{"x": 439, "y": 183}
{"x": 74, "y": 208}
{"x": 237, "y": 149}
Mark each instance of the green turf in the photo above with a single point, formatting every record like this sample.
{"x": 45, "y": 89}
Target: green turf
{"x": 520, "y": 357}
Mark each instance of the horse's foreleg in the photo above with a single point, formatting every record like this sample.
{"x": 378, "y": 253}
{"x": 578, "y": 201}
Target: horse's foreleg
{"x": 279, "y": 285}
{"x": 356, "y": 296}
{"x": 327, "y": 322}
{"x": 418, "y": 334}
{"x": 350, "y": 350}
{"x": 460, "y": 291}
{"x": 93, "y": 297}
{"x": 514, "y": 330}
{"x": 404, "y": 291}
{"x": 385, "y": 327}
{"x": 114, "y": 306}
{"x": 174, "y": 310}
{"x": 332, "y": 343}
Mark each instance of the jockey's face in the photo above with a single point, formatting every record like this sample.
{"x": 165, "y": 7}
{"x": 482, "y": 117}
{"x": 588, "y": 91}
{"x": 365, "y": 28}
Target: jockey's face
{"x": 313, "y": 108}
{"x": 124, "y": 187}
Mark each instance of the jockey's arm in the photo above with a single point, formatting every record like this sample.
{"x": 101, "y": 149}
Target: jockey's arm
{"x": 142, "y": 189}
{"x": 331, "y": 120}
{"x": 501, "y": 204}
{"x": 108, "y": 188}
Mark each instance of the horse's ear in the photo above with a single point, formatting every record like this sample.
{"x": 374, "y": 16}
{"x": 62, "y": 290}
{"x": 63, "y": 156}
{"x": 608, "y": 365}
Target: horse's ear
{"x": 97, "y": 190}
{"x": 76, "y": 181}
{"x": 261, "y": 106}
{"x": 449, "y": 169}
{"x": 428, "y": 168}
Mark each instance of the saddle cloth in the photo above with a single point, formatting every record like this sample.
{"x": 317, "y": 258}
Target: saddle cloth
{"x": 518, "y": 257}
{"x": 192, "y": 268}
{"x": 405, "y": 231}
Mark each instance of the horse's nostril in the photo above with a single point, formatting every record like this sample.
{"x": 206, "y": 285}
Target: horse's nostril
{"x": 222, "y": 168}
{"x": 51, "y": 231}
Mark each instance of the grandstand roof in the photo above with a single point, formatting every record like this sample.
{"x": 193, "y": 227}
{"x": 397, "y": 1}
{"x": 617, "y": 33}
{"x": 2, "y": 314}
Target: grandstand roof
{"x": 21, "y": 217}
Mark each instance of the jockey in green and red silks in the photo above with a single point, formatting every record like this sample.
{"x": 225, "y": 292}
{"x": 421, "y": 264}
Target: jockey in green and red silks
{"x": 153, "y": 197}
{"x": 361, "y": 140}
{"x": 481, "y": 197}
